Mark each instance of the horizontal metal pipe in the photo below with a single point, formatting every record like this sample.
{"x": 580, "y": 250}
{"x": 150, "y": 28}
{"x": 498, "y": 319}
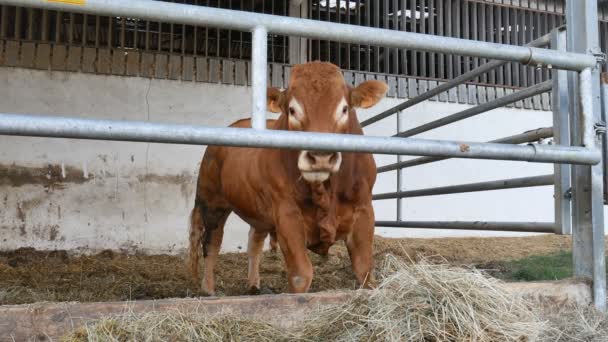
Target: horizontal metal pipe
{"x": 542, "y": 41}
{"x": 65, "y": 127}
{"x": 247, "y": 21}
{"x": 524, "y": 182}
{"x": 527, "y": 227}
{"x": 534, "y": 135}
{"x": 467, "y": 113}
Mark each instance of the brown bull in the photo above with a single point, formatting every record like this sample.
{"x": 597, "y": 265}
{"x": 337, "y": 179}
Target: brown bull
{"x": 304, "y": 199}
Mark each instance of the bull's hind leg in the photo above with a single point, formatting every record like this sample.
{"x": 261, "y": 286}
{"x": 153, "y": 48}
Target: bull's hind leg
{"x": 255, "y": 246}
{"x": 207, "y": 231}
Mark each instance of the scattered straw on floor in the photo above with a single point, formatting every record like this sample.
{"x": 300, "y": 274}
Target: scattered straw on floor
{"x": 414, "y": 302}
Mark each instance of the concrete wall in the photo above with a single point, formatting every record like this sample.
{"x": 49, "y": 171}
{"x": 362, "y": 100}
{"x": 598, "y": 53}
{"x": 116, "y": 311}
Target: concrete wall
{"x": 92, "y": 195}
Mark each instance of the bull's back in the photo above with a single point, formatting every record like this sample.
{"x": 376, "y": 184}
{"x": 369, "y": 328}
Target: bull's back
{"x": 225, "y": 162}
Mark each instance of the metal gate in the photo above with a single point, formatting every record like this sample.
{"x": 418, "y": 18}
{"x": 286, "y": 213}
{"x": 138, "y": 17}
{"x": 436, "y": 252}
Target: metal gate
{"x": 577, "y": 119}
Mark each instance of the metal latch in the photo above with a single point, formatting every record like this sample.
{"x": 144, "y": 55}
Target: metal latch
{"x": 600, "y": 128}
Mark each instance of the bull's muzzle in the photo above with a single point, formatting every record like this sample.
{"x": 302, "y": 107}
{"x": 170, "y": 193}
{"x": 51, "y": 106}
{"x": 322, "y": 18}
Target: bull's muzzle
{"x": 318, "y": 166}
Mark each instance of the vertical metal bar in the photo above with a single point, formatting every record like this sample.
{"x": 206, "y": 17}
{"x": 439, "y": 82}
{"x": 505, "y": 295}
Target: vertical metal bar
{"x": 85, "y": 26}
{"x": 376, "y": 48}
{"x": 58, "y": 25}
{"x": 466, "y": 33}
{"x": 259, "y": 73}
{"x": 147, "y": 37}
{"x": 399, "y": 171}
{"x": 172, "y": 36}
{"x": 97, "y": 30}
{"x": 508, "y": 28}
{"x": 561, "y": 135}
{"x": 482, "y": 36}
{"x": 432, "y": 55}
{"x": 441, "y": 56}
{"x": 404, "y": 59}
{"x": 123, "y": 22}
{"x": 207, "y": 32}
{"x": 457, "y": 33}
{"x": 423, "y": 55}
{"x": 515, "y": 41}
{"x": 490, "y": 37}
{"x": 358, "y": 47}
{"x": 475, "y": 34}
{"x": 588, "y": 223}
{"x": 44, "y": 33}
{"x": 272, "y": 52}
{"x": 387, "y": 25}
{"x": 338, "y": 44}
{"x": 242, "y": 8}
{"x": 395, "y": 52}
{"x": 448, "y": 32}
{"x": 604, "y": 135}
{"x": 328, "y": 18}
{"x": 17, "y": 25}
{"x": 71, "y": 29}
{"x": 500, "y": 29}
{"x": 414, "y": 54}
{"x": 319, "y": 18}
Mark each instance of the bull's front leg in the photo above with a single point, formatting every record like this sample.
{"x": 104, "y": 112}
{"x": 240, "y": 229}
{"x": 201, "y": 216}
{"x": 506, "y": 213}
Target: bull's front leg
{"x": 360, "y": 247}
{"x": 291, "y": 235}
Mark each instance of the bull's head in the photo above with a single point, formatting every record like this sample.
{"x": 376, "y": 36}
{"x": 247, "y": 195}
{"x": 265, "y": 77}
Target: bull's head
{"x": 319, "y": 100}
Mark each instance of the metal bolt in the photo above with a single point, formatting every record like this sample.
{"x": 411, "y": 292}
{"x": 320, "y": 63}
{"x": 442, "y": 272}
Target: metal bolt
{"x": 568, "y": 194}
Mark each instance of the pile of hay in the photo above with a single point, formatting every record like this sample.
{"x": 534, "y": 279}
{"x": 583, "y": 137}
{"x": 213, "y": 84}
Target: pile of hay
{"x": 414, "y": 302}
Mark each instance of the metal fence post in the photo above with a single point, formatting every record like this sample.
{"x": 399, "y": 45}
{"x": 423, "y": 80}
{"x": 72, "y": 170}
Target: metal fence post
{"x": 259, "y": 74}
{"x": 399, "y": 200}
{"x": 561, "y": 136}
{"x": 588, "y": 221}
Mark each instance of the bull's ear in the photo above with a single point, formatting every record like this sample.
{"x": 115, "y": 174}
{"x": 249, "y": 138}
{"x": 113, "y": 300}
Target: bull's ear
{"x": 273, "y": 100}
{"x": 368, "y": 93}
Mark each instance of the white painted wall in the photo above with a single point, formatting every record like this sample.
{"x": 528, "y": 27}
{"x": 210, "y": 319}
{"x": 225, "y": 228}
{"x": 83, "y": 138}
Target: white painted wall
{"x": 137, "y": 196}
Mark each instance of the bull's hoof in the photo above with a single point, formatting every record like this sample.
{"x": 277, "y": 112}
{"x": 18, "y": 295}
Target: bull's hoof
{"x": 254, "y": 290}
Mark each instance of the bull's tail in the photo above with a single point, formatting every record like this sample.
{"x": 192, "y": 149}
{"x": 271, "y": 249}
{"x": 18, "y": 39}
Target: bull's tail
{"x": 196, "y": 239}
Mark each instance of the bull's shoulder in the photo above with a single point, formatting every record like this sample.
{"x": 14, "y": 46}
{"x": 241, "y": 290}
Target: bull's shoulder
{"x": 246, "y": 123}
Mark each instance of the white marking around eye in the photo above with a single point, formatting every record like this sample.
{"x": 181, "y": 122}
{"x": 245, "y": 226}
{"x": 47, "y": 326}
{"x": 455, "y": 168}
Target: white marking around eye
{"x": 299, "y": 112}
{"x": 341, "y": 118}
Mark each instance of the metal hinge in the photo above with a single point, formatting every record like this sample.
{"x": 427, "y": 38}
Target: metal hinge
{"x": 600, "y": 128}
{"x": 600, "y": 57}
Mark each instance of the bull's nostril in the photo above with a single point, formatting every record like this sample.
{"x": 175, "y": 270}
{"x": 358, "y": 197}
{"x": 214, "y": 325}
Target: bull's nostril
{"x": 333, "y": 159}
{"x": 310, "y": 158}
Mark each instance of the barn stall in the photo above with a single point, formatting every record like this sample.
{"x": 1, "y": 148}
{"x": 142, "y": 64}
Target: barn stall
{"x": 154, "y": 50}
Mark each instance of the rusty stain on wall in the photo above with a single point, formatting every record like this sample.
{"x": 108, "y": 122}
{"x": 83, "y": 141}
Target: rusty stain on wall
{"x": 50, "y": 177}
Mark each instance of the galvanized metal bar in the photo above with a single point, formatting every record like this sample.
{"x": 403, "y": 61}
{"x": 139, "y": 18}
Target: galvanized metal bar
{"x": 259, "y": 74}
{"x": 604, "y": 78}
{"x": 413, "y": 54}
{"x": 65, "y": 127}
{"x": 524, "y": 182}
{"x": 227, "y": 19}
{"x": 542, "y": 41}
{"x": 432, "y": 56}
{"x": 467, "y": 113}
{"x": 588, "y": 224}
{"x": 534, "y": 135}
{"x": 399, "y": 173}
{"x": 561, "y": 129}
{"x": 526, "y": 227}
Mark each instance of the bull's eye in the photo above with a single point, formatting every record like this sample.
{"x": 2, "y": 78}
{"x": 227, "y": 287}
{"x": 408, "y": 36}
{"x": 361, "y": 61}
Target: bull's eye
{"x": 292, "y": 111}
{"x": 344, "y": 109}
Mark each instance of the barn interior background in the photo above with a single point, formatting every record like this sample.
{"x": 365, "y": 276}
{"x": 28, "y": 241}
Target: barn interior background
{"x": 92, "y": 195}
